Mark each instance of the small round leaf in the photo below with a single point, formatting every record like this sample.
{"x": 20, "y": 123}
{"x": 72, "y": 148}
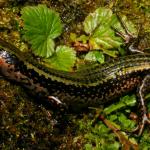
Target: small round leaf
{"x": 41, "y": 26}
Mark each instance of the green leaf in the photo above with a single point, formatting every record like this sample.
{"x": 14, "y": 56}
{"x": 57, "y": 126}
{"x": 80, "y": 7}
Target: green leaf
{"x": 88, "y": 146}
{"x": 104, "y": 38}
{"x": 41, "y": 26}
{"x": 73, "y": 37}
{"x": 98, "y": 26}
{"x": 63, "y": 59}
{"x": 83, "y": 38}
{"x": 95, "y": 56}
{"x": 111, "y": 53}
{"x": 93, "y": 20}
{"x": 127, "y": 123}
{"x": 124, "y": 101}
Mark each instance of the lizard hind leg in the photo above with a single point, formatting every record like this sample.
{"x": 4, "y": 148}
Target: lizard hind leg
{"x": 143, "y": 89}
